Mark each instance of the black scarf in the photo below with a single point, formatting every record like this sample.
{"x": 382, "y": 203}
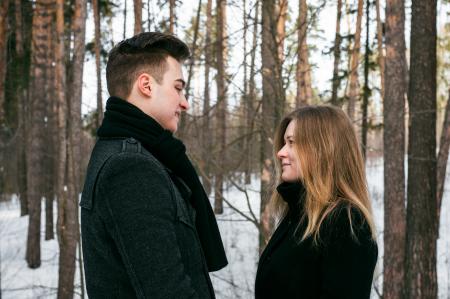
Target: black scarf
{"x": 294, "y": 195}
{"x": 123, "y": 119}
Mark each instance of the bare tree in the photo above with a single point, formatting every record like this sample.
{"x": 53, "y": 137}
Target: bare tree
{"x": 206, "y": 124}
{"x": 366, "y": 88}
{"x": 442, "y": 159}
{"x": 273, "y": 100}
{"x": 172, "y": 17}
{"x": 221, "y": 52}
{"x": 421, "y": 276}
{"x": 304, "y": 89}
{"x": 137, "y": 16}
{"x": 337, "y": 56}
{"x": 381, "y": 59}
{"x": 3, "y": 39}
{"x": 353, "y": 91}
{"x": 394, "y": 152}
{"x": 42, "y": 20}
{"x": 97, "y": 48}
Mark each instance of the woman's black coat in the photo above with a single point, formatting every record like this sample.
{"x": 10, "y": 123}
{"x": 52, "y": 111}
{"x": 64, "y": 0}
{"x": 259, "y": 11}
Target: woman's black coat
{"x": 340, "y": 266}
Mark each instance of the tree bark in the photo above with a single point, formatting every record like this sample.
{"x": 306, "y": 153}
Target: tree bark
{"x": 442, "y": 159}
{"x": 304, "y": 89}
{"x": 172, "y": 16}
{"x": 394, "y": 152}
{"x": 273, "y": 100}
{"x": 3, "y": 52}
{"x": 421, "y": 277}
{"x": 206, "y": 132}
{"x": 353, "y": 92}
{"x": 137, "y": 16}
{"x": 42, "y": 20}
{"x": 68, "y": 225}
{"x": 95, "y": 5}
{"x": 337, "y": 57}
{"x": 381, "y": 59}
{"x": 366, "y": 88}
{"x": 125, "y": 20}
{"x": 221, "y": 52}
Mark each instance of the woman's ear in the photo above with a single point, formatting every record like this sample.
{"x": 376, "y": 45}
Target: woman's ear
{"x": 144, "y": 84}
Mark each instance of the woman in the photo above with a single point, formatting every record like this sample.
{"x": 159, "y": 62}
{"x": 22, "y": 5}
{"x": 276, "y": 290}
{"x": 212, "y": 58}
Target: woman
{"x": 325, "y": 245}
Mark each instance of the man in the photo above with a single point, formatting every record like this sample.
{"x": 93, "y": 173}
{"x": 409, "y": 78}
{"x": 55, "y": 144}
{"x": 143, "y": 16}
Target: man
{"x": 147, "y": 226}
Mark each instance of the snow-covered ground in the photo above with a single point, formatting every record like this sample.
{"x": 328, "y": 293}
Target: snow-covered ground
{"x": 240, "y": 239}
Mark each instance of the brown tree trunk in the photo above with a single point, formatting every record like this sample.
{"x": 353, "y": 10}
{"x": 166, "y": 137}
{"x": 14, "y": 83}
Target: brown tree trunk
{"x": 68, "y": 225}
{"x": 42, "y": 20}
{"x": 421, "y": 277}
{"x": 366, "y": 88}
{"x": 381, "y": 59}
{"x": 3, "y": 51}
{"x": 125, "y": 20}
{"x": 21, "y": 114}
{"x": 98, "y": 46}
{"x": 304, "y": 89}
{"x": 273, "y": 100}
{"x": 353, "y": 92}
{"x": 172, "y": 16}
{"x": 442, "y": 159}
{"x": 337, "y": 57}
{"x": 394, "y": 152}
{"x": 137, "y": 16}
{"x": 221, "y": 52}
{"x": 206, "y": 132}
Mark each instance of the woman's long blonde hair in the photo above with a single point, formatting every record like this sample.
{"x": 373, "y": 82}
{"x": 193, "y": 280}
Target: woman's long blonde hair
{"x": 331, "y": 166}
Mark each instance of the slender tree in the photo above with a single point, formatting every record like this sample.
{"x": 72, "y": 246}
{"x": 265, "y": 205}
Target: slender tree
{"x": 381, "y": 59}
{"x": 221, "y": 53}
{"x": 42, "y": 20}
{"x": 353, "y": 91}
{"x": 3, "y": 39}
{"x": 366, "y": 88}
{"x": 304, "y": 89}
{"x": 273, "y": 100}
{"x": 125, "y": 19}
{"x": 172, "y": 17}
{"x": 337, "y": 56}
{"x": 206, "y": 124}
{"x": 394, "y": 152}
{"x": 137, "y": 16}
{"x": 421, "y": 277}
{"x": 97, "y": 48}
{"x": 442, "y": 159}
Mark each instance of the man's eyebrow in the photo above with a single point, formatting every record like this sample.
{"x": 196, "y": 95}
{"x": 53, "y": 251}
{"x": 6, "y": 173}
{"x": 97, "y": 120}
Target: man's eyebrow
{"x": 181, "y": 81}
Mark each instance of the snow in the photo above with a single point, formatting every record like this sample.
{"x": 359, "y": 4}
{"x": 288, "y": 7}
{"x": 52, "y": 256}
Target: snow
{"x": 240, "y": 239}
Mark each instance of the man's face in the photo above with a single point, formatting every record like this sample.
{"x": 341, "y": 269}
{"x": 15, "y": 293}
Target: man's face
{"x": 167, "y": 99}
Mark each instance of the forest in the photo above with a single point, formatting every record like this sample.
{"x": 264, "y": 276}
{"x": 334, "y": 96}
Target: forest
{"x": 386, "y": 63}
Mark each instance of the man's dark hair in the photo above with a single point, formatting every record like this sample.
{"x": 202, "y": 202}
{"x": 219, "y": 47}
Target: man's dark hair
{"x": 145, "y": 52}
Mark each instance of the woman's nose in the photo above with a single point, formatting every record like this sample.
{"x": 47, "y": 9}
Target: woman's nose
{"x": 281, "y": 153}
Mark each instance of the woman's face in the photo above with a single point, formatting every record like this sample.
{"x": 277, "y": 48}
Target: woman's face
{"x": 290, "y": 166}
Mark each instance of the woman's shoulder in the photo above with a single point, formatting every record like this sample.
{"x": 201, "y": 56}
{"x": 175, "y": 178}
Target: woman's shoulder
{"x": 346, "y": 221}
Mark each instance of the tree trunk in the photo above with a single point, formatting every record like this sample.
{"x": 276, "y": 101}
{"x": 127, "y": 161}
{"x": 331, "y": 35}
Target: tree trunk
{"x": 172, "y": 16}
{"x": 444, "y": 146}
{"x": 273, "y": 100}
{"x": 68, "y": 210}
{"x": 381, "y": 59}
{"x": 366, "y": 89}
{"x": 394, "y": 152}
{"x": 125, "y": 20}
{"x": 3, "y": 51}
{"x": 42, "y": 20}
{"x": 304, "y": 89}
{"x": 221, "y": 104}
{"x": 421, "y": 278}
{"x": 137, "y": 16}
{"x": 206, "y": 132}
{"x": 337, "y": 57}
{"x": 98, "y": 46}
{"x": 353, "y": 92}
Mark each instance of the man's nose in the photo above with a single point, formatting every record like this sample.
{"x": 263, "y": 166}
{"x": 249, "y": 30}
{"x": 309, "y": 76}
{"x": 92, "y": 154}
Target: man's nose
{"x": 184, "y": 103}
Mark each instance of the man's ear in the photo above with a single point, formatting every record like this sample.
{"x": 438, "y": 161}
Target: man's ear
{"x": 144, "y": 84}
